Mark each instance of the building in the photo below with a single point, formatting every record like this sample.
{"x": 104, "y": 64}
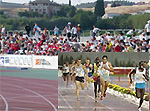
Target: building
{"x": 44, "y": 7}
{"x": 110, "y": 15}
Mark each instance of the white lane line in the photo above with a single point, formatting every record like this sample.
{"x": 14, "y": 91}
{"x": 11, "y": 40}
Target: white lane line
{"x": 94, "y": 99}
{"x": 25, "y": 96}
{"x": 101, "y": 103}
{"x": 32, "y": 82}
{"x": 36, "y": 94}
{"x": 6, "y": 109}
{"x": 66, "y": 102}
{"x": 27, "y": 101}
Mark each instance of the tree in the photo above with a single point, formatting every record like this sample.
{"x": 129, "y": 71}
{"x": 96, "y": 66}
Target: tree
{"x": 114, "y": 4}
{"x": 99, "y": 8}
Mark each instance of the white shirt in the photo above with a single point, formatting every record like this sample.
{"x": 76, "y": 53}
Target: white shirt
{"x": 74, "y": 30}
{"x": 147, "y": 27}
{"x": 92, "y": 47}
{"x": 79, "y": 71}
{"x": 130, "y": 32}
{"x": 3, "y": 30}
{"x": 24, "y": 36}
{"x": 108, "y": 38}
{"x": 66, "y": 68}
{"x": 104, "y": 71}
{"x": 141, "y": 37}
{"x": 69, "y": 29}
{"x": 95, "y": 30}
{"x": 139, "y": 78}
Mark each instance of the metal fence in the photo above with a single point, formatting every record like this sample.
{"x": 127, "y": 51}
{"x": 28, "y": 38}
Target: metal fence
{"x": 84, "y": 33}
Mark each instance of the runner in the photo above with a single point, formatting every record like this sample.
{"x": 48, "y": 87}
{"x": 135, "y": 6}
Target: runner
{"x": 96, "y": 78}
{"x": 72, "y": 74}
{"x": 79, "y": 80}
{"x": 140, "y": 77}
{"x": 65, "y": 70}
{"x": 106, "y": 68}
{"x": 89, "y": 69}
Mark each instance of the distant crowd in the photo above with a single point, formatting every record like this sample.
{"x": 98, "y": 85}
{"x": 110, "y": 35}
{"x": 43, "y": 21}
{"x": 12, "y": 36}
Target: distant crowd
{"x": 69, "y": 41}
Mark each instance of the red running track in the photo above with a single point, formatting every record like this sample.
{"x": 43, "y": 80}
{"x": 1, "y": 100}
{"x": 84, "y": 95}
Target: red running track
{"x": 25, "y": 94}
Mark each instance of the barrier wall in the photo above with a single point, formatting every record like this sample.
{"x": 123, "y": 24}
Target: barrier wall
{"x": 29, "y": 61}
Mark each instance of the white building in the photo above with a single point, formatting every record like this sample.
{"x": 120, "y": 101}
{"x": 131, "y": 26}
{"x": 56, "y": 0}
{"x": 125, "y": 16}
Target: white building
{"x": 44, "y": 7}
{"x": 110, "y": 15}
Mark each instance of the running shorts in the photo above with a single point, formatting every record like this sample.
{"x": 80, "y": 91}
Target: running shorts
{"x": 80, "y": 79}
{"x": 65, "y": 74}
{"x": 89, "y": 74}
{"x": 140, "y": 85}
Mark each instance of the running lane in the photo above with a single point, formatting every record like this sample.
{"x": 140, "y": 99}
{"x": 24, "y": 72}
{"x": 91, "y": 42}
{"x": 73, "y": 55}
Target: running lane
{"x": 26, "y": 94}
{"x": 67, "y": 100}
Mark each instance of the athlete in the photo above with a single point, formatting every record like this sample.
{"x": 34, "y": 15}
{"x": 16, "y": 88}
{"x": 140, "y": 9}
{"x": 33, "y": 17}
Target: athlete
{"x": 79, "y": 79}
{"x": 96, "y": 78}
{"x": 106, "y": 68}
{"x": 65, "y": 70}
{"x": 139, "y": 78}
{"x": 89, "y": 69}
{"x": 72, "y": 75}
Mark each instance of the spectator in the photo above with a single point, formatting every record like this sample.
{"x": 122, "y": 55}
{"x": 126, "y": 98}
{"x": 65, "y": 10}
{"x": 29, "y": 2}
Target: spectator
{"x": 28, "y": 29}
{"x": 129, "y": 48}
{"x": 147, "y": 28}
{"x": 69, "y": 31}
{"x": 95, "y": 31}
{"x": 130, "y": 33}
{"x": 2, "y": 29}
{"x": 56, "y": 31}
{"x": 74, "y": 32}
{"x": 65, "y": 31}
{"x": 36, "y": 30}
{"x": 79, "y": 31}
{"x": 117, "y": 48}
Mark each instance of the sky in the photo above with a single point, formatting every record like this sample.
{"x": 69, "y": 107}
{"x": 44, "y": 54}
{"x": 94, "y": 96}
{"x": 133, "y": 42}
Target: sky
{"x": 74, "y": 2}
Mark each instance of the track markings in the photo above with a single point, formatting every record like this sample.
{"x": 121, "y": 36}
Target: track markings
{"x": 6, "y": 109}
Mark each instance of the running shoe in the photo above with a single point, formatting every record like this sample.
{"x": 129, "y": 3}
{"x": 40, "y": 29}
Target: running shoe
{"x": 104, "y": 95}
{"x": 139, "y": 109}
{"x": 101, "y": 98}
{"x": 96, "y": 100}
{"x": 78, "y": 98}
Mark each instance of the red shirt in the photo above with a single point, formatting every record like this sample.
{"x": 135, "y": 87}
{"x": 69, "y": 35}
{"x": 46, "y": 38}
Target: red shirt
{"x": 39, "y": 44}
{"x": 12, "y": 47}
{"x": 117, "y": 49}
{"x": 16, "y": 46}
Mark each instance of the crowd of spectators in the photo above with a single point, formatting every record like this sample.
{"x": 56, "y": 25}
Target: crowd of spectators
{"x": 68, "y": 41}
